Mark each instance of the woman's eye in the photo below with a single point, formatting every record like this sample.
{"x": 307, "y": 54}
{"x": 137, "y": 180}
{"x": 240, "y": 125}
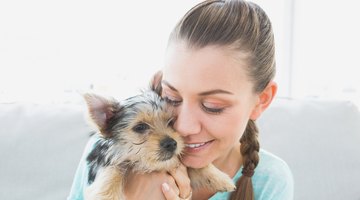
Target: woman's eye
{"x": 171, "y": 101}
{"x": 212, "y": 110}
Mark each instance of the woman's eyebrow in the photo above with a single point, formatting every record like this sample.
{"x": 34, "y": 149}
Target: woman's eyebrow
{"x": 169, "y": 85}
{"x": 216, "y": 91}
{"x": 210, "y": 92}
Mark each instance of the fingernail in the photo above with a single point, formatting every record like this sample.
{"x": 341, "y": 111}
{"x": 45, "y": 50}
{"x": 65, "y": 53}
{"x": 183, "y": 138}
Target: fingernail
{"x": 165, "y": 186}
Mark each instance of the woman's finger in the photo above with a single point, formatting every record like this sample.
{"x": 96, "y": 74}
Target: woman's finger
{"x": 169, "y": 192}
{"x": 182, "y": 181}
{"x": 170, "y": 181}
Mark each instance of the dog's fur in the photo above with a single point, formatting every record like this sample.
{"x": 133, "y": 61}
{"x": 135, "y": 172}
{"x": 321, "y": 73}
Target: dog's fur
{"x": 137, "y": 135}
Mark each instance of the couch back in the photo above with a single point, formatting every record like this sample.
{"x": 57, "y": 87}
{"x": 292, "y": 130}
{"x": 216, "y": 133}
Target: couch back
{"x": 320, "y": 141}
{"x": 40, "y": 147}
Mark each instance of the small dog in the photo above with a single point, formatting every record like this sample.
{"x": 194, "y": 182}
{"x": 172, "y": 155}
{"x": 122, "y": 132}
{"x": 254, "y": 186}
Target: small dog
{"x": 137, "y": 134}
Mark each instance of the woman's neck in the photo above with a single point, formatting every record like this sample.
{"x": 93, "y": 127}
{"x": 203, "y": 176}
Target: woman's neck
{"x": 230, "y": 163}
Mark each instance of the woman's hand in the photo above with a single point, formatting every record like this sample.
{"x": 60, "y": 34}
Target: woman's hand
{"x": 183, "y": 185}
{"x": 174, "y": 185}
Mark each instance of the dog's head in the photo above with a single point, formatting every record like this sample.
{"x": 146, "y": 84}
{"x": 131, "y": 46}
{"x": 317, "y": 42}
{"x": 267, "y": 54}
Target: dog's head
{"x": 137, "y": 131}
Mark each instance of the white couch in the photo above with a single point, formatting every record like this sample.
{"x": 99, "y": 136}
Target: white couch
{"x": 41, "y": 144}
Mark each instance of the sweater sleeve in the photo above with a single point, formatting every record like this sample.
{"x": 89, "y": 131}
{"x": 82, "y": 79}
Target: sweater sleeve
{"x": 81, "y": 174}
{"x": 274, "y": 180}
{"x": 284, "y": 189}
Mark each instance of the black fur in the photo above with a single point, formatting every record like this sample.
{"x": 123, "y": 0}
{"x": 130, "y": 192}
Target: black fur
{"x": 97, "y": 158}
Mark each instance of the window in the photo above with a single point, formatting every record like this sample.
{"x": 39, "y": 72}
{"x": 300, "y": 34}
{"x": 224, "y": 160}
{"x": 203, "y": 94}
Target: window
{"x": 51, "y": 51}
{"x": 325, "y": 50}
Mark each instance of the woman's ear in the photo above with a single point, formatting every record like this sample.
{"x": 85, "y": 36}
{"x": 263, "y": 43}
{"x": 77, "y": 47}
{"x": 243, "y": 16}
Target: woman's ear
{"x": 264, "y": 100}
{"x": 155, "y": 82}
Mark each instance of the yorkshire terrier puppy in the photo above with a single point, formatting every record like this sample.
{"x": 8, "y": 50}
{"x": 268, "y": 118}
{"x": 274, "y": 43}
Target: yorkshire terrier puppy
{"x": 137, "y": 135}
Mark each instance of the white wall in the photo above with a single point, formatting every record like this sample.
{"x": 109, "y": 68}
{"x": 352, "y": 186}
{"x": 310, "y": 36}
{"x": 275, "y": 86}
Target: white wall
{"x": 48, "y": 47}
{"x": 326, "y": 49}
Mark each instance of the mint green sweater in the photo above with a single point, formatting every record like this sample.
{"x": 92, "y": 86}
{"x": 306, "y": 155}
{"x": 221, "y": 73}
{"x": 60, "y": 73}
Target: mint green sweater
{"x": 272, "y": 179}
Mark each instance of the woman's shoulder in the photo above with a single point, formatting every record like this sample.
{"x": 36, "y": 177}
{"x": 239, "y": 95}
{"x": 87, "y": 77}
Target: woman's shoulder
{"x": 269, "y": 163}
{"x": 272, "y": 177}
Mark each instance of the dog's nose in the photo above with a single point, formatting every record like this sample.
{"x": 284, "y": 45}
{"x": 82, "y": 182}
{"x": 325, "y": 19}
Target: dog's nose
{"x": 168, "y": 144}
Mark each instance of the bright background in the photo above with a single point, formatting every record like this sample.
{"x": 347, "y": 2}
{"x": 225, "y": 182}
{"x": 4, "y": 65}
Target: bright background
{"x": 51, "y": 51}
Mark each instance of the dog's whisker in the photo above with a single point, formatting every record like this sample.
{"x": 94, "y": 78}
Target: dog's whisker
{"x": 130, "y": 149}
{"x": 181, "y": 155}
{"x": 140, "y": 143}
{"x": 138, "y": 151}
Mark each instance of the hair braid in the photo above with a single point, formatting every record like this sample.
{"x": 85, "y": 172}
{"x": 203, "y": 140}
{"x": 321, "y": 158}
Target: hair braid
{"x": 249, "y": 149}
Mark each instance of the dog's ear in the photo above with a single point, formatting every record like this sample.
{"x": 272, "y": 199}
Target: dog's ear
{"x": 101, "y": 111}
{"x": 155, "y": 83}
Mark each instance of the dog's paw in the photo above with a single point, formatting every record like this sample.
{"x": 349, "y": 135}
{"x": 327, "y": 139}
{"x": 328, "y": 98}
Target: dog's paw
{"x": 222, "y": 183}
{"x": 211, "y": 178}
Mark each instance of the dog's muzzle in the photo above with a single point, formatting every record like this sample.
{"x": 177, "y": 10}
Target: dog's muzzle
{"x": 168, "y": 147}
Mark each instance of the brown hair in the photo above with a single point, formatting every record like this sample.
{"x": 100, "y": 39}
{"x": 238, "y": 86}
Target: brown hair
{"x": 243, "y": 27}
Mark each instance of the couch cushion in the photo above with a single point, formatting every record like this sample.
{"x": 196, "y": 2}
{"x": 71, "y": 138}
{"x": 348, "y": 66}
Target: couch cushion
{"x": 320, "y": 140}
{"x": 40, "y": 148}
{"x": 41, "y": 145}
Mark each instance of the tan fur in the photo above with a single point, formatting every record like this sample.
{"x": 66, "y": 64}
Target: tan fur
{"x": 211, "y": 178}
{"x": 107, "y": 186}
{"x": 146, "y": 155}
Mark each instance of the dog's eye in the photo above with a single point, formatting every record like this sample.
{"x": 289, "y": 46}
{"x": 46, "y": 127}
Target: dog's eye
{"x": 141, "y": 128}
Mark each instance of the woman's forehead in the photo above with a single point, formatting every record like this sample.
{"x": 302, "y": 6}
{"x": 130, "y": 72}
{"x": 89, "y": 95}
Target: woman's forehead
{"x": 207, "y": 62}
{"x": 213, "y": 66}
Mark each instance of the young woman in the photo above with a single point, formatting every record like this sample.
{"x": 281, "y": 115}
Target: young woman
{"x": 218, "y": 76}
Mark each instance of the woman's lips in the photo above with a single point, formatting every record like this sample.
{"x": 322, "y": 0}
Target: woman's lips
{"x": 196, "y": 147}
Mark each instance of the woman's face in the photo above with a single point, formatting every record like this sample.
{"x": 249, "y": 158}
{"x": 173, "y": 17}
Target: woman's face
{"x": 213, "y": 100}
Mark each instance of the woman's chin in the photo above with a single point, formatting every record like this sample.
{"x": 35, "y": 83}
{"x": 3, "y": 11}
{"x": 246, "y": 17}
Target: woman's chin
{"x": 194, "y": 163}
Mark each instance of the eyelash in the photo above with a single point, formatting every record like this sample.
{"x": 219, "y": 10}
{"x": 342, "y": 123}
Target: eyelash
{"x": 171, "y": 102}
{"x": 212, "y": 110}
{"x": 206, "y": 109}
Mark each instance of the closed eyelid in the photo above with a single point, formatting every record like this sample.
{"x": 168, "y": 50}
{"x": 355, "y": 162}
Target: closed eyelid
{"x": 209, "y": 104}
{"x": 170, "y": 94}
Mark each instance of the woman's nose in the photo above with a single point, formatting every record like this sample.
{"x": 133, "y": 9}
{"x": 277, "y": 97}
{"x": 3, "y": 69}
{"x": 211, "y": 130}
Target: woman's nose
{"x": 187, "y": 122}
